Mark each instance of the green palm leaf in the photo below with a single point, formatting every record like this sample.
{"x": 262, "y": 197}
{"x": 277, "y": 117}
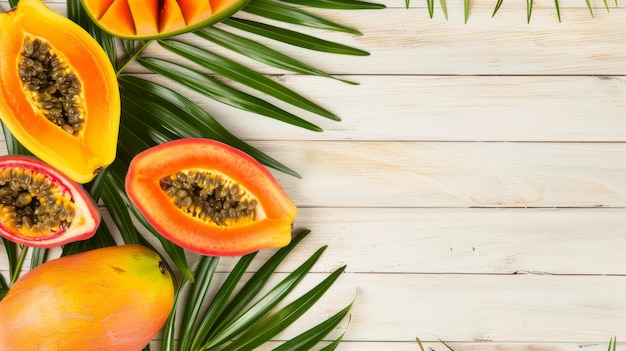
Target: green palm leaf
{"x": 313, "y": 336}
{"x": 266, "y": 328}
{"x": 338, "y": 4}
{"x": 227, "y": 331}
{"x": 219, "y": 302}
{"x": 289, "y": 14}
{"x": 227, "y": 316}
{"x": 259, "y": 52}
{"x": 214, "y": 89}
{"x": 4, "y": 287}
{"x": 292, "y": 37}
{"x": 183, "y": 118}
{"x": 196, "y": 299}
{"x": 529, "y": 8}
{"x": 244, "y": 75}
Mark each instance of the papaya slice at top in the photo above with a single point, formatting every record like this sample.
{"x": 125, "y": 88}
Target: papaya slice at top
{"x": 210, "y": 198}
{"x": 152, "y": 19}
{"x": 59, "y": 95}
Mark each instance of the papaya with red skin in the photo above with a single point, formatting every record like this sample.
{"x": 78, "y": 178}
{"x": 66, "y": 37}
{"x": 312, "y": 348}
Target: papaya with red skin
{"x": 41, "y": 207}
{"x": 210, "y": 198}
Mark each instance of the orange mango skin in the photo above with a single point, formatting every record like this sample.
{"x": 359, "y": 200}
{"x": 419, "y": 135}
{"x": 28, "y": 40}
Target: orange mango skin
{"x": 144, "y": 191}
{"x": 79, "y": 157}
{"x": 115, "y": 298}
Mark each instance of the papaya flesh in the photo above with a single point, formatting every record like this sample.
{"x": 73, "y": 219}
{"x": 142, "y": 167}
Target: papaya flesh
{"x": 210, "y": 198}
{"x": 59, "y": 94}
{"x": 115, "y": 298}
{"x": 151, "y": 19}
{"x": 41, "y": 207}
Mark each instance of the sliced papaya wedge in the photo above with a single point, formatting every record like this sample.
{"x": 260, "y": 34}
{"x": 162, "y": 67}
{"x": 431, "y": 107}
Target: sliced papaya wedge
{"x": 41, "y": 207}
{"x": 59, "y": 94}
{"x": 151, "y": 19}
{"x": 210, "y": 198}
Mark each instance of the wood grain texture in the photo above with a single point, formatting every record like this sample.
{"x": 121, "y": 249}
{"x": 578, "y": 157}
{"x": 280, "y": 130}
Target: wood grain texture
{"x": 449, "y": 174}
{"x": 407, "y": 42}
{"x": 475, "y": 187}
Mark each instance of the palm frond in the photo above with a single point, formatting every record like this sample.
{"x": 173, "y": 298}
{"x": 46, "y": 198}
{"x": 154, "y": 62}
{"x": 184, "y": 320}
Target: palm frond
{"x": 4, "y": 287}
{"x": 219, "y": 91}
{"x": 612, "y": 344}
{"x": 529, "y": 8}
{"x": 293, "y": 37}
{"x": 229, "y": 324}
{"x": 271, "y": 325}
{"x": 11, "y": 250}
{"x": 289, "y": 14}
{"x": 338, "y": 4}
{"x": 183, "y": 117}
{"x": 259, "y": 52}
{"x": 310, "y": 338}
{"x": 229, "y": 329}
{"x": 246, "y": 76}
{"x": 37, "y": 257}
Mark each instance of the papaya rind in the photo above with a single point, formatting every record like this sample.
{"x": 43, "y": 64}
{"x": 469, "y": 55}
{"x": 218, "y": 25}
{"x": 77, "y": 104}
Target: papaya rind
{"x": 144, "y": 191}
{"x": 87, "y": 217}
{"x": 215, "y": 18}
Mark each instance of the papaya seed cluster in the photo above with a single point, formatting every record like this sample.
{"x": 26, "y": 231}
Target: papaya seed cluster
{"x": 209, "y": 197}
{"x": 32, "y": 204}
{"x": 51, "y": 84}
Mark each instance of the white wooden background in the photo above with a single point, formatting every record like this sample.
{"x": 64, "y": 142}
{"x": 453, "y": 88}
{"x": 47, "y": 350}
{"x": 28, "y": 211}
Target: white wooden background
{"x": 476, "y": 186}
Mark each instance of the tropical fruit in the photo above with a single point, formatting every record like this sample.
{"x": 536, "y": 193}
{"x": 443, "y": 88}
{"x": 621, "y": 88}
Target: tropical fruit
{"x": 41, "y": 207}
{"x": 210, "y": 198}
{"x": 115, "y": 298}
{"x": 150, "y": 19}
{"x": 59, "y": 94}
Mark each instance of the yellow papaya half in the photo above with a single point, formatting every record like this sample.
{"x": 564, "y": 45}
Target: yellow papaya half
{"x": 115, "y": 298}
{"x": 150, "y": 19}
{"x": 41, "y": 207}
{"x": 59, "y": 95}
{"x": 210, "y": 198}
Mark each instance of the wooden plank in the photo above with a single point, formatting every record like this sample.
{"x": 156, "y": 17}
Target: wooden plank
{"x": 465, "y": 308}
{"x": 445, "y": 108}
{"x": 451, "y": 174}
{"x": 487, "y": 241}
{"x": 525, "y": 309}
{"x": 457, "y": 346}
{"x": 442, "y": 108}
{"x": 444, "y": 241}
{"x": 409, "y": 174}
{"x": 408, "y": 42}
{"x": 455, "y": 174}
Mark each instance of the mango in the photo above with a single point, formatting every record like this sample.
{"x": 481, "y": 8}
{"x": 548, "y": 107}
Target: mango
{"x": 114, "y": 298}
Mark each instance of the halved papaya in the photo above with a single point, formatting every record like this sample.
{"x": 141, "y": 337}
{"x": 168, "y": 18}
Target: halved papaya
{"x": 151, "y": 19}
{"x": 59, "y": 94}
{"x": 41, "y": 207}
{"x": 210, "y": 198}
